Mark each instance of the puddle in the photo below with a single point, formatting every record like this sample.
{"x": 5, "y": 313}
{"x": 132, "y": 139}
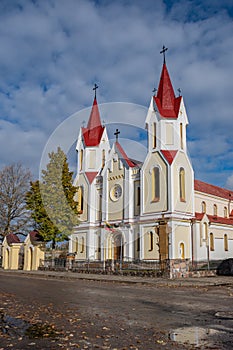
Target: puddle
{"x": 14, "y": 326}
{"x": 194, "y": 335}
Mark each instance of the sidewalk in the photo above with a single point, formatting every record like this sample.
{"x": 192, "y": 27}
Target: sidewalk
{"x": 157, "y": 282}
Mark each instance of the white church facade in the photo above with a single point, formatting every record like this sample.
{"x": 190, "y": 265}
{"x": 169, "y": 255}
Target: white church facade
{"x": 153, "y": 210}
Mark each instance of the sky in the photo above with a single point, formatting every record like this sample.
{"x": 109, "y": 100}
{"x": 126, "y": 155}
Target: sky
{"x": 53, "y": 51}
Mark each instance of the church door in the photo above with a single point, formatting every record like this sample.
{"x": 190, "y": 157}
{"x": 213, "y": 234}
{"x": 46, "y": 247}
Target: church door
{"x": 118, "y": 247}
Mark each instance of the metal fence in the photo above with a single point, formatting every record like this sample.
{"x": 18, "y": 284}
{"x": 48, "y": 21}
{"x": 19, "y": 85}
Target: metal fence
{"x": 108, "y": 266}
{"x": 134, "y": 268}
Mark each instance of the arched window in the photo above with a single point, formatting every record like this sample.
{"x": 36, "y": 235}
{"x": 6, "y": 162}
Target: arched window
{"x": 205, "y": 231}
{"x": 211, "y": 242}
{"x": 138, "y": 196}
{"x": 82, "y": 245}
{"x": 215, "y": 210}
{"x": 154, "y": 135}
{"x": 81, "y": 160}
{"x": 80, "y": 199}
{"x": 225, "y": 212}
{"x": 203, "y": 207}
{"x": 138, "y": 242}
{"x": 151, "y": 241}
{"x": 182, "y": 184}
{"x": 182, "y": 252}
{"x": 103, "y": 158}
{"x": 225, "y": 243}
{"x": 155, "y": 184}
{"x": 181, "y": 136}
{"x": 76, "y": 245}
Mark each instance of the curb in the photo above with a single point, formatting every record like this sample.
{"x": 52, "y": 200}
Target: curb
{"x": 157, "y": 282}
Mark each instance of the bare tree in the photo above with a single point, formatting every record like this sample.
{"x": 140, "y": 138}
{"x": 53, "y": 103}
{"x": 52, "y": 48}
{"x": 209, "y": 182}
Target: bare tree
{"x": 14, "y": 183}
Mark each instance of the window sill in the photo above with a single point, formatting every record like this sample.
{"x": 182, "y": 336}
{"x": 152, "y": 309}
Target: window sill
{"x": 155, "y": 200}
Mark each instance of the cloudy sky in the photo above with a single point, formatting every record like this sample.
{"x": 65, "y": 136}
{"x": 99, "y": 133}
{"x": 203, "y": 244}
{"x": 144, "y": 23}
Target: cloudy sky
{"x": 53, "y": 51}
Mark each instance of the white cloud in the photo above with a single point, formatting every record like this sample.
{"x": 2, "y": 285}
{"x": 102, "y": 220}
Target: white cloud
{"x": 52, "y": 52}
{"x": 229, "y": 182}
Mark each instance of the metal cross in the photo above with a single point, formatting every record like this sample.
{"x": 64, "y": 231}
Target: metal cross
{"x": 154, "y": 90}
{"x": 116, "y": 134}
{"x": 163, "y": 52}
{"x": 179, "y": 90}
{"x": 95, "y": 88}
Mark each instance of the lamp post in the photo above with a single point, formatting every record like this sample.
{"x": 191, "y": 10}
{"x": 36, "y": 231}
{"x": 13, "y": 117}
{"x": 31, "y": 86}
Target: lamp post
{"x": 121, "y": 254}
{"x": 208, "y": 252}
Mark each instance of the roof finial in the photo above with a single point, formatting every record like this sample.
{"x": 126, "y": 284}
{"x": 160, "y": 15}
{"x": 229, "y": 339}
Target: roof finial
{"x": 95, "y": 88}
{"x": 116, "y": 134}
{"x": 179, "y": 90}
{"x": 163, "y": 52}
{"x": 154, "y": 91}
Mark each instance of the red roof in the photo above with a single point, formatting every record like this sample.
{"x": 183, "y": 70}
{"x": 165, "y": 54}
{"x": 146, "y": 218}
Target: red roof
{"x": 35, "y": 236}
{"x": 214, "y": 219}
{"x": 91, "y": 175}
{"x": 169, "y": 155}
{"x": 130, "y": 163}
{"x": 199, "y": 216}
{"x": 211, "y": 189}
{"x": 168, "y": 104}
{"x": 12, "y": 238}
{"x": 93, "y": 132}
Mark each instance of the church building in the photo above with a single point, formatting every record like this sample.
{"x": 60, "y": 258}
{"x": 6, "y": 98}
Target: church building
{"x": 153, "y": 210}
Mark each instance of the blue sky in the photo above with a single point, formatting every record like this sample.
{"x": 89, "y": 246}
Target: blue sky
{"x": 53, "y": 51}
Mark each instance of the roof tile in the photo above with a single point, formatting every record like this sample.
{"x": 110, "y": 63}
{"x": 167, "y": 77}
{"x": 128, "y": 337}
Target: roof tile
{"x": 212, "y": 189}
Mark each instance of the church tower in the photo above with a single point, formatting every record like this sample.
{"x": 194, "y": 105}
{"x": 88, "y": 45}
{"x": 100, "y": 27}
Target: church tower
{"x": 92, "y": 149}
{"x": 92, "y": 144}
{"x": 167, "y": 175}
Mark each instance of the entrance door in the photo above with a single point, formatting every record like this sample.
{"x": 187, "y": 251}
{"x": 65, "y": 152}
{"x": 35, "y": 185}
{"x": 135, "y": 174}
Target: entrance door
{"x": 118, "y": 247}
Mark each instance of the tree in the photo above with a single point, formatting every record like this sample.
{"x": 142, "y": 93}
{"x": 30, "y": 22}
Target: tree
{"x": 51, "y": 200}
{"x": 14, "y": 183}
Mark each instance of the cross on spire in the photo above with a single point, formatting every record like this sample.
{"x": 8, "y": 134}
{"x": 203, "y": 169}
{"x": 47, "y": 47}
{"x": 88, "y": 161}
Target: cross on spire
{"x": 163, "y": 52}
{"x": 116, "y": 133}
{"x": 95, "y": 88}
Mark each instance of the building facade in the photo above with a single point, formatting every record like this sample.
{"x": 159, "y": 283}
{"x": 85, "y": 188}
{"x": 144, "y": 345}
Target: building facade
{"x": 25, "y": 255}
{"x": 152, "y": 210}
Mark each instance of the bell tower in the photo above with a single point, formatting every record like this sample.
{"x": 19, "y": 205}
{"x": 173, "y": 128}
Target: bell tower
{"x": 93, "y": 144}
{"x": 167, "y": 175}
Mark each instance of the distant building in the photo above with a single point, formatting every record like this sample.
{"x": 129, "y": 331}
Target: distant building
{"x": 154, "y": 210}
{"x": 23, "y": 255}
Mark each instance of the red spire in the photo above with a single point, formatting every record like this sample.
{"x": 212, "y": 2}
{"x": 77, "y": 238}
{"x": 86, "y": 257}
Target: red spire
{"x": 168, "y": 104}
{"x": 94, "y": 130}
{"x": 94, "y": 119}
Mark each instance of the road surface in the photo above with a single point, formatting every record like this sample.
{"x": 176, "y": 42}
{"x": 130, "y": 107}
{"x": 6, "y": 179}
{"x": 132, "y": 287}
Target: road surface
{"x": 43, "y": 313}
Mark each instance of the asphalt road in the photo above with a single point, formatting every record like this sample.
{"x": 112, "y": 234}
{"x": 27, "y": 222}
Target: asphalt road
{"x": 43, "y": 313}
